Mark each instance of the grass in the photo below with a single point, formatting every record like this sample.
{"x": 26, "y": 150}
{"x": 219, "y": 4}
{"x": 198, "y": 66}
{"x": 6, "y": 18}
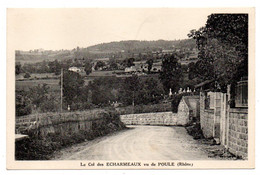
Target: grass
{"x": 25, "y": 85}
{"x": 101, "y": 73}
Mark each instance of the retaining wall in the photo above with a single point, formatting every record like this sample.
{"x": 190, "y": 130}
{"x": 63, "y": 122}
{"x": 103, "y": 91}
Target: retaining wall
{"x": 62, "y": 123}
{"x": 207, "y": 122}
{"x": 238, "y": 132}
{"x": 156, "y": 118}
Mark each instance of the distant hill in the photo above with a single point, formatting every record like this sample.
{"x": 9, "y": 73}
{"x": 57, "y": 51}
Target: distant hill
{"x": 121, "y": 49}
{"x": 136, "y": 46}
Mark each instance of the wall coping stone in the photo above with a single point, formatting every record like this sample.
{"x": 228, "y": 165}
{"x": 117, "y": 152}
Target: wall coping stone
{"x": 238, "y": 110}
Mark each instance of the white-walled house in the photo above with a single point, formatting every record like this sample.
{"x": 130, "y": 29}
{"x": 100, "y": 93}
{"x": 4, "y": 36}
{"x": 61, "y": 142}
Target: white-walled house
{"x": 76, "y": 69}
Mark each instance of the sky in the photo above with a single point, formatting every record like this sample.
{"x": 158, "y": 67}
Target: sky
{"x": 55, "y": 29}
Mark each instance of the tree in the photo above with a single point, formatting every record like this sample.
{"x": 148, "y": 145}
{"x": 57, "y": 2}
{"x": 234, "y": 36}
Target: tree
{"x": 171, "y": 73}
{"x": 223, "y": 48}
{"x": 18, "y": 68}
{"x": 88, "y": 66}
{"x": 55, "y": 67}
{"x": 22, "y": 103}
{"x": 27, "y": 75}
{"x": 99, "y": 64}
{"x": 104, "y": 89}
{"x": 150, "y": 64}
{"x": 38, "y": 94}
{"x": 72, "y": 86}
{"x": 130, "y": 89}
{"x": 129, "y": 62}
{"x": 112, "y": 64}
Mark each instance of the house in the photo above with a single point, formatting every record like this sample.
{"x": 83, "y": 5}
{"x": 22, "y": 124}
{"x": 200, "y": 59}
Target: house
{"x": 164, "y": 52}
{"x": 130, "y": 69}
{"x": 76, "y": 69}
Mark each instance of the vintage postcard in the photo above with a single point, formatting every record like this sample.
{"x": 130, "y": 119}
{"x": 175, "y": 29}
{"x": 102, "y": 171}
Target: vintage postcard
{"x": 130, "y": 88}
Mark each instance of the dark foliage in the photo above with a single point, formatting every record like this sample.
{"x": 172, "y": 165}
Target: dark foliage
{"x": 22, "y": 103}
{"x": 171, "y": 74}
{"x": 18, "y": 68}
{"x": 150, "y": 64}
{"x": 27, "y": 75}
{"x": 223, "y": 48}
{"x": 72, "y": 87}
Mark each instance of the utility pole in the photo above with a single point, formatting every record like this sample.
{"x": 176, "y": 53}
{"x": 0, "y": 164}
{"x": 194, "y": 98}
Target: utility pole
{"x": 61, "y": 89}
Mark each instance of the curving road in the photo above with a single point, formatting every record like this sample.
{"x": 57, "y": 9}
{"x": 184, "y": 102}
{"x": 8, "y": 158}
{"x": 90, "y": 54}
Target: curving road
{"x": 139, "y": 143}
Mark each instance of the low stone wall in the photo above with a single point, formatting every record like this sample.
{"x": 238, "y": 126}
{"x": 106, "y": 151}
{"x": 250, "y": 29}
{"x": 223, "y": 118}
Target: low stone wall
{"x": 50, "y": 132}
{"x": 157, "y": 118}
{"x": 63, "y": 123}
{"x": 238, "y": 132}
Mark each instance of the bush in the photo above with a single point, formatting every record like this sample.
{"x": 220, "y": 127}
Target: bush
{"x": 22, "y": 103}
{"x": 27, "y": 75}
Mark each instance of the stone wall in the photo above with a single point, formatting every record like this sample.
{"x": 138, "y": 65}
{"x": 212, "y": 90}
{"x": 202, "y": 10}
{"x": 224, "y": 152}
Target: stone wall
{"x": 50, "y": 132}
{"x": 182, "y": 118}
{"x": 207, "y": 122}
{"x": 206, "y": 118}
{"x": 236, "y": 127}
{"x": 156, "y": 118}
{"x": 62, "y": 123}
{"x": 238, "y": 132}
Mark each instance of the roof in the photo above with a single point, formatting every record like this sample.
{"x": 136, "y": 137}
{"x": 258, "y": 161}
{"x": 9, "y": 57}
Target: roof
{"x": 191, "y": 101}
{"x": 203, "y": 83}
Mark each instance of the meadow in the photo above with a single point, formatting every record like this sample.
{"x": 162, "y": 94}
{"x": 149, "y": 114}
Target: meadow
{"x": 27, "y": 84}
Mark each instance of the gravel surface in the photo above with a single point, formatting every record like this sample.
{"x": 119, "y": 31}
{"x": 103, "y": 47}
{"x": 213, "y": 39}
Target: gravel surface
{"x": 139, "y": 143}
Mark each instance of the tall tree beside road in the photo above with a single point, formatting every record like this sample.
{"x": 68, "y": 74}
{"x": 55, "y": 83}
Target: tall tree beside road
{"x": 223, "y": 48}
{"x": 72, "y": 86}
{"x": 171, "y": 73}
{"x": 129, "y": 90}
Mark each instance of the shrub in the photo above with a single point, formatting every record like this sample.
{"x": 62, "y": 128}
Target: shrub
{"x": 27, "y": 75}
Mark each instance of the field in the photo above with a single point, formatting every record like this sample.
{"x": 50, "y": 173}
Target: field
{"x": 38, "y": 57}
{"x": 53, "y": 80}
{"x": 101, "y": 74}
{"x": 25, "y": 85}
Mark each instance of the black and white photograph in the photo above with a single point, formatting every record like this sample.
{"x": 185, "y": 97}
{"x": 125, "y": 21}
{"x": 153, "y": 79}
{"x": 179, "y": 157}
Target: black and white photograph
{"x": 141, "y": 88}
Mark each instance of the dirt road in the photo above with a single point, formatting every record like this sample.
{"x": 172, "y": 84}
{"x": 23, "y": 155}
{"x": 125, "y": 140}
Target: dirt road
{"x": 139, "y": 143}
